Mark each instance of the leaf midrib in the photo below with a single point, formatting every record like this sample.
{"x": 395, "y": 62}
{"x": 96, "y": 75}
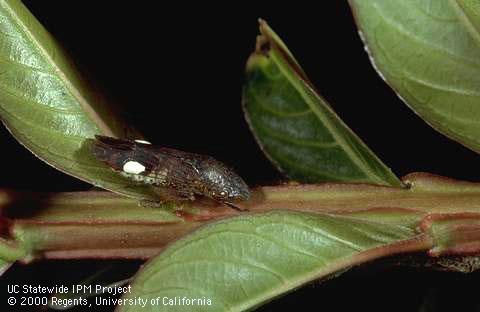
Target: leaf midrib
{"x": 323, "y": 270}
{"x": 338, "y": 138}
{"x": 465, "y": 20}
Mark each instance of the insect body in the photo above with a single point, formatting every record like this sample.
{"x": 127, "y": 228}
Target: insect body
{"x": 175, "y": 174}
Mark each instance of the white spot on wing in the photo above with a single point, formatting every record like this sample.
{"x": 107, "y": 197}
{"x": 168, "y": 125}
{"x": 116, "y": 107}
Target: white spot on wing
{"x": 143, "y": 142}
{"x": 133, "y": 167}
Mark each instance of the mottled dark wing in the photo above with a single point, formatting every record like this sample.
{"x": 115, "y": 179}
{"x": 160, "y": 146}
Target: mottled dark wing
{"x": 176, "y": 153}
{"x": 179, "y": 176}
{"x": 180, "y": 169}
{"x": 170, "y": 167}
{"x": 116, "y": 152}
{"x": 189, "y": 159}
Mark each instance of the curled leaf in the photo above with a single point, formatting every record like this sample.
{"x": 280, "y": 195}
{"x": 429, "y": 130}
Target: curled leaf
{"x": 296, "y": 128}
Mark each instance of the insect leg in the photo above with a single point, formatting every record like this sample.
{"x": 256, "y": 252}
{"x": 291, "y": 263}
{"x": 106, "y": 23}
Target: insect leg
{"x": 231, "y": 205}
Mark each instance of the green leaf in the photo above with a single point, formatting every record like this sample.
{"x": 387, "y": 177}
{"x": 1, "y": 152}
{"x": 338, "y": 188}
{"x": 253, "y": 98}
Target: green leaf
{"x": 47, "y": 107}
{"x": 10, "y": 251}
{"x": 4, "y": 266}
{"x": 242, "y": 262}
{"x": 430, "y": 57}
{"x": 469, "y": 13}
{"x": 296, "y": 128}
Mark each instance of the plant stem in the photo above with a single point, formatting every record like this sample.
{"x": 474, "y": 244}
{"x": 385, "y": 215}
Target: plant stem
{"x": 105, "y": 225}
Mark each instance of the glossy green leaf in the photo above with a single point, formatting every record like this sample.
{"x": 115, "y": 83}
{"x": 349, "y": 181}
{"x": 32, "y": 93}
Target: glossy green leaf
{"x": 430, "y": 55}
{"x": 240, "y": 263}
{"x": 296, "y": 128}
{"x": 47, "y": 107}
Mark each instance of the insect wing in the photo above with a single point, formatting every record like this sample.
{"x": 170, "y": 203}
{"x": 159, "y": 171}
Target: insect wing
{"x": 116, "y": 153}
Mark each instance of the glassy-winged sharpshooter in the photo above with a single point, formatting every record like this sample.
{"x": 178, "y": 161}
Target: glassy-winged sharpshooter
{"x": 175, "y": 174}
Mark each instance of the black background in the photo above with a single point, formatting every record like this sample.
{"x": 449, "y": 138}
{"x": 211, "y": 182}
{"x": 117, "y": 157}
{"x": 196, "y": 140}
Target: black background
{"x": 177, "y": 71}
